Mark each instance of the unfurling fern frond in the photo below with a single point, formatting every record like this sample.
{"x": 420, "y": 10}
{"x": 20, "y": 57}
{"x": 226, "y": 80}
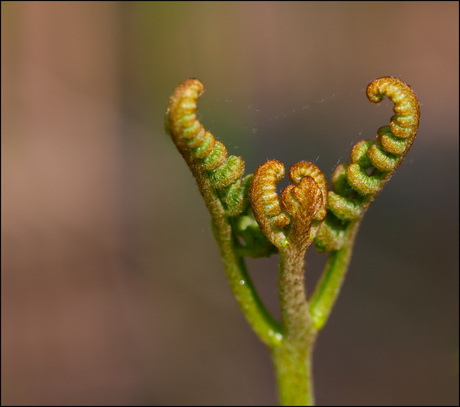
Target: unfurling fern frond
{"x": 206, "y": 157}
{"x": 356, "y": 184}
{"x": 289, "y": 222}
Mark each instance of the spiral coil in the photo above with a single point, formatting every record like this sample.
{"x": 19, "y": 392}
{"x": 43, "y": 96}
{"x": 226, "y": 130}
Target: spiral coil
{"x": 356, "y": 184}
{"x": 202, "y": 151}
{"x": 288, "y": 221}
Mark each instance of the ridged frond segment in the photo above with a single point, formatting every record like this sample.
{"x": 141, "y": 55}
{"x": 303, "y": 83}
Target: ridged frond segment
{"x": 356, "y": 184}
{"x": 288, "y": 222}
{"x": 304, "y": 169}
{"x": 266, "y": 204}
{"x": 302, "y": 202}
{"x": 404, "y": 123}
{"x": 202, "y": 152}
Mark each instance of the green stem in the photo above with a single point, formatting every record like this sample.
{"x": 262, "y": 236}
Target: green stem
{"x": 265, "y": 326}
{"x": 293, "y": 368}
{"x": 328, "y": 287}
{"x": 295, "y": 314}
{"x": 293, "y": 358}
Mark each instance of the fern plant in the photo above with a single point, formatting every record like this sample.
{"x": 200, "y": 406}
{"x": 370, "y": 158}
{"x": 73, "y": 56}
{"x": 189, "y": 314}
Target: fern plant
{"x": 250, "y": 219}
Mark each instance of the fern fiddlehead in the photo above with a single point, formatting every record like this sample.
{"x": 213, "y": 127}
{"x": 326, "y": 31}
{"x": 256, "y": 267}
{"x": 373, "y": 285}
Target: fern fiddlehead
{"x": 353, "y": 188}
{"x": 355, "y": 185}
{"x": 220, "y": 180}
{"x": 206, "y": 157}
{"x": 288, "y": 221}
{"x": 249, "y": 208}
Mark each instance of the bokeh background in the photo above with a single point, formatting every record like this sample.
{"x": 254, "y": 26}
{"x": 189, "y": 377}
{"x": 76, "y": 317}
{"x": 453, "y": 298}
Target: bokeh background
{"x": 112, "y": 287}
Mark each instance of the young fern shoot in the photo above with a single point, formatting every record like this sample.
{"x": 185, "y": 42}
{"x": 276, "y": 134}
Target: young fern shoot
{"x": 248, "y": 209}
{"x": 353, "y": 189}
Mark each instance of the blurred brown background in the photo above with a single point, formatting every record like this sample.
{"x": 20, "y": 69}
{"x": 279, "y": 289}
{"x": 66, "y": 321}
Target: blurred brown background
{"x": 112, "y": 288}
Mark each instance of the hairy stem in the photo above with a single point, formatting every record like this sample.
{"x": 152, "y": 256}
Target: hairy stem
{"x": 293, "y": 368}
{"x": 292, "y": 359}
{"x": 295, "y": 315}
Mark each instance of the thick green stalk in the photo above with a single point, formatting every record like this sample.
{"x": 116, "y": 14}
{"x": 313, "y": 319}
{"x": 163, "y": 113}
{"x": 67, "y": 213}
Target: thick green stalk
{"x": 293, "y": 358}
{"x": 293, "y": 369}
